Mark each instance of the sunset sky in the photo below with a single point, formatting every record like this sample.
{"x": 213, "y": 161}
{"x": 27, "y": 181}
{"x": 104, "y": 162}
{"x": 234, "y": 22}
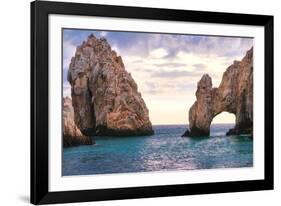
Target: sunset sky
{"x": 166, "y": 67}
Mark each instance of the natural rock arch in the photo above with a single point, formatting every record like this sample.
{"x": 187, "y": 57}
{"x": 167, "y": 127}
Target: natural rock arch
{"x": 234, "y": 95}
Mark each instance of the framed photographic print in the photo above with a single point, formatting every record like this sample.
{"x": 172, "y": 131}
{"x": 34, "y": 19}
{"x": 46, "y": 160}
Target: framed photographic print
{"x": 131, "y": 102}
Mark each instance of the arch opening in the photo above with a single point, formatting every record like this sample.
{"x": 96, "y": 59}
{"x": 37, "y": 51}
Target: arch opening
{"x": 221, "y": 124}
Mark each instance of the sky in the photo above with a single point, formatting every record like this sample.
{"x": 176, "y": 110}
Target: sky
{"x": 166, "y": 67}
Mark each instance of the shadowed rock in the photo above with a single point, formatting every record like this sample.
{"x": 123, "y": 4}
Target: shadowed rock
{"x": 72, "y": 135}
{"x": 234, "y": 95}
{"x": 105, "y": 97}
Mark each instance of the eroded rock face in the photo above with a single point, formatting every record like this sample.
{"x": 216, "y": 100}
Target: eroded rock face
{"x": 105, "y": 97}
{"x": 72, "y": 135}
{"x": 234, "y": 95}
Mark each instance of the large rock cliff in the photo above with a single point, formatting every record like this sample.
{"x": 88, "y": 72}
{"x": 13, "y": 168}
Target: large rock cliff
{"x": 72, "y": 135}
{"x": 234, "y": 95}
{"x": 105, "y": 97}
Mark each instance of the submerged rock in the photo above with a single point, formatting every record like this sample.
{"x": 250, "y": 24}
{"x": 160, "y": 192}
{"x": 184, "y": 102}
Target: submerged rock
{"x": 234, "y": 95}
{"x": 72, "y": 135}
{"x": 105, "y": 97}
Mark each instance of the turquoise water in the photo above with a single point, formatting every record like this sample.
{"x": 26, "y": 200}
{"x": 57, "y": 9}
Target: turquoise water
{"x": 163, "y": 151}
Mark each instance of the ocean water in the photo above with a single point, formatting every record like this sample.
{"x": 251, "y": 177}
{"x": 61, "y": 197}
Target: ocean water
{"x": 166, "y": 150}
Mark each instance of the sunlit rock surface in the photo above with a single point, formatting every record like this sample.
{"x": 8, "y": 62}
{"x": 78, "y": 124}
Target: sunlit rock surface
{"x": 105, "y": 97}
{"x": 234, "y": 95}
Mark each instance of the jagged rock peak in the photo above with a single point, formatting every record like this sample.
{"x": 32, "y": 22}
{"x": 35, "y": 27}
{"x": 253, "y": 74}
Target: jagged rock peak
{"x": 234, "y": 95}
{"x": 105, "y": 97}
{"x": 72, "y": 135}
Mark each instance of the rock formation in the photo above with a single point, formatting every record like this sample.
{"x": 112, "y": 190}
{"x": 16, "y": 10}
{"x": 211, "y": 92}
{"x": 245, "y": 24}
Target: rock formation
{"x": 72, "y": 135}
{"x": 234, "y": 95}
{"x": 105, "y": 97}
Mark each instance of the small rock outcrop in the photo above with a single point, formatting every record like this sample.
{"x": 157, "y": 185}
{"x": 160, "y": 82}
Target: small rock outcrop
{"x": 234, "y": 95}
{"x": 72, "y": 135}
{"x": 105, "y": 97}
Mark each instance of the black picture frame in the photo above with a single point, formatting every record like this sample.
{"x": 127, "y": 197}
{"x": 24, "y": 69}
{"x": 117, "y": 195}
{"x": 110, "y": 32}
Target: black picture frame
{"x": 40, "y": 108}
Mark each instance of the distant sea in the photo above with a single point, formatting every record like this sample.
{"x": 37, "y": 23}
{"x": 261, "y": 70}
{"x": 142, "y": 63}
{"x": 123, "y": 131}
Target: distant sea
{"x": 166, "y": 150}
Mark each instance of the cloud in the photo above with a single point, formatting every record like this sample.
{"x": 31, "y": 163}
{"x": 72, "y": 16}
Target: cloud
{"x": 156, "y": 88}
{"x": 169, "y": 87}
{"x": 115, "y": 48}
{"x": 158, "y": 53}
{"x": 171, "y": 64}
{"x": 152, "y": 88}
{"x": 208, "y": 45}
{"x": 68, "y": 52}
{"x": 103, "y": 33}
{"x": 66, "y": 89}
{"x": 185, "y": 87}
{"x": 199, "y": 66}
{"x": 173, "y": 74}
